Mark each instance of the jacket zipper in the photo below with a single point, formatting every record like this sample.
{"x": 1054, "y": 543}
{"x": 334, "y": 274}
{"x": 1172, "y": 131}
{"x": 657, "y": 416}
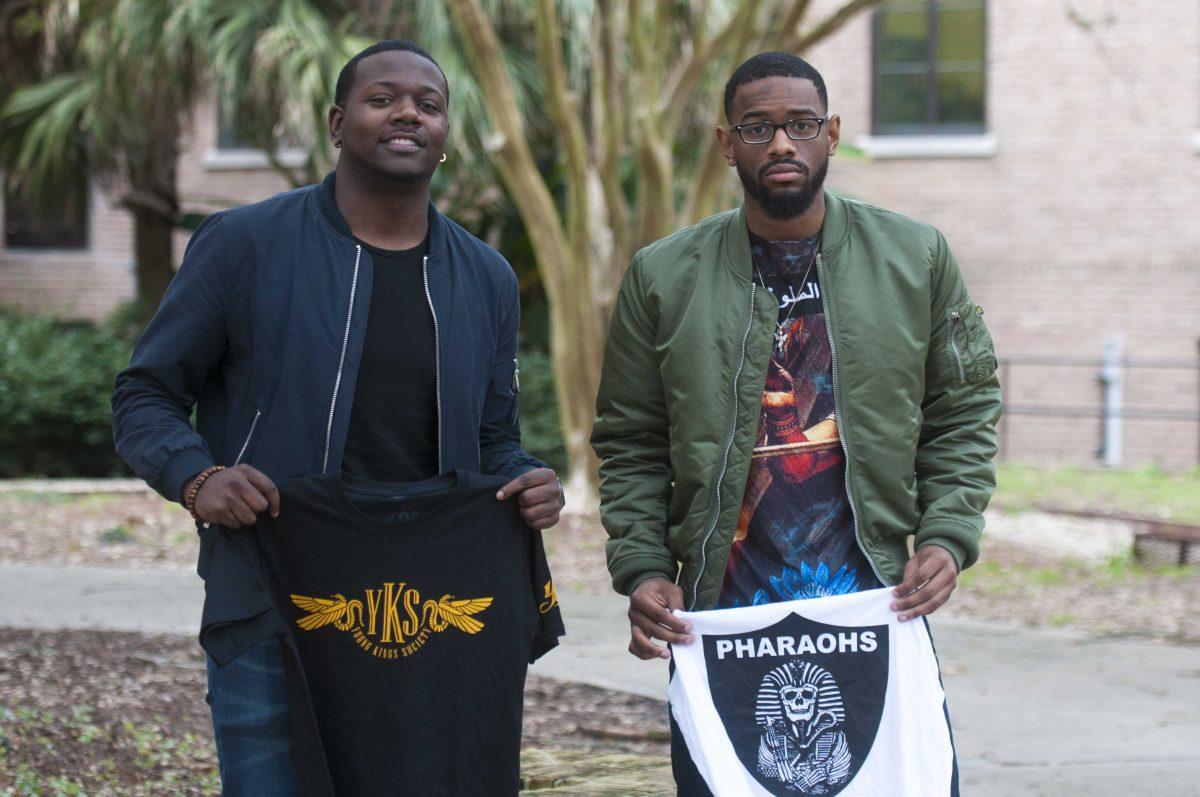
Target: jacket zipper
{"x": 437, "y": 358}
{"x": 725, "y": 458}
{"x": 841, "y": 424}
{"x": 250, "y": 434}
{"x": 956, "y": 323}
{"x": 337, "y": 382}
{"x": 515, "y": 389}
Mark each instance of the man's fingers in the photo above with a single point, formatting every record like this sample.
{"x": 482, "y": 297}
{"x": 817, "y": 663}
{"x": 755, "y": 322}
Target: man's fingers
{"x": 541, "y": 494}
{"x": 657, "y": 631}
{"x": 541, "y": 520}
{"x": 674, "y": 597}
{"x": 242, "y": 511}
{"x": 514, "y": 486}
{"x": 942, "y": 579}
{"x": 641, "y": 646}
{"x": 659, "y": 614}
{"x": 911, "y": 578}
{"x": 254, "y": 499}
{"x": 266, "y": 487}
{"x": 917, "y": 571}
{"x": 932, "y": 601}
{"x": 526, "y": 480}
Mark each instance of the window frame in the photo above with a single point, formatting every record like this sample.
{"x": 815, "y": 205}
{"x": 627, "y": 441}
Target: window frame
{"x": 930, "y": 126}
{"x": 80, "y": 243}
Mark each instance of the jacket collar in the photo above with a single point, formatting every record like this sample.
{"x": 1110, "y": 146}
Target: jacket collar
{"x": 438, "y": 225}
{"x": 736, "y": 240}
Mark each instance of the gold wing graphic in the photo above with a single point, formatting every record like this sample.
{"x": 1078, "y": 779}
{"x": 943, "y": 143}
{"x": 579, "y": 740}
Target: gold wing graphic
{"x": 322, "y": 611}
{"x": 458, "y": 612}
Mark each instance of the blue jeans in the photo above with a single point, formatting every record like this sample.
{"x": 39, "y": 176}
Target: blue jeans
{"x": 252, "y": 722}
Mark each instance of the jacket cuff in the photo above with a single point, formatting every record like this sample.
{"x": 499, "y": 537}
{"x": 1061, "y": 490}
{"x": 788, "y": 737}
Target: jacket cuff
{"x": 959, "y": 551}
{"x": 179, "y": 469}
{"x": 630, "y": 573}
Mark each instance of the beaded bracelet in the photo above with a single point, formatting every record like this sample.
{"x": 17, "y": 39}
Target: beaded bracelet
{"x": 193, "y": 488}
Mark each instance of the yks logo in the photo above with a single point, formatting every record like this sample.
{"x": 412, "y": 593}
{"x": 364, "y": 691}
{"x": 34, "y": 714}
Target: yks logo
{"x": 801, "y": 701}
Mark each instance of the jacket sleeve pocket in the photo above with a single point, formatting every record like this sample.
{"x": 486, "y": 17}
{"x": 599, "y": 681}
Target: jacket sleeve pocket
{"x": 969, "y": 351}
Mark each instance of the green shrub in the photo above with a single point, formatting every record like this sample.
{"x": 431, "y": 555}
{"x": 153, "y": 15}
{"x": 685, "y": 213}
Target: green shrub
{"x": 56, "y": 380}
{"x": 541, "y": 434}
{"x": 55, "y": 383}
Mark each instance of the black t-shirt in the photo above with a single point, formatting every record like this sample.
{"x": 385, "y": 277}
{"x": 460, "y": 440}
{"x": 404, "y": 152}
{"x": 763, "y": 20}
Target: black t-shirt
{"x": 393, "y": 424}
{"x": 414, "y": 611}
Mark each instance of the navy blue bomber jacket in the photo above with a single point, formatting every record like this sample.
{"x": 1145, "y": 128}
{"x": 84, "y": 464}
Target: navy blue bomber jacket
{"x": 262, "y": 331}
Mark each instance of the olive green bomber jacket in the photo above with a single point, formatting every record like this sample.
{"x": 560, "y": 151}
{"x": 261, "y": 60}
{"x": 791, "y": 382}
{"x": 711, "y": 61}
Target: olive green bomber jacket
{"x": 915, "y": 389}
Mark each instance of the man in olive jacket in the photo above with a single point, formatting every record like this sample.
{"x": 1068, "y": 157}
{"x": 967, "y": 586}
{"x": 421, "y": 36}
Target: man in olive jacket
{"x": 792, "y": 390}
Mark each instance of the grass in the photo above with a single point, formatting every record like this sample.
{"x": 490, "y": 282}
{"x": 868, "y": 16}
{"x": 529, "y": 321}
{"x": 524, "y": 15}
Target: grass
{"x": 1144, "y": 492}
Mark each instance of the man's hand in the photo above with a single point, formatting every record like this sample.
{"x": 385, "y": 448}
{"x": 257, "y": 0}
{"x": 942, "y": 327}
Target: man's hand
{"x": 235, "y": 496}
{"x": 650, "y": 617}
{"x": 929, "y": 578}
{"x": 539, "y": 496}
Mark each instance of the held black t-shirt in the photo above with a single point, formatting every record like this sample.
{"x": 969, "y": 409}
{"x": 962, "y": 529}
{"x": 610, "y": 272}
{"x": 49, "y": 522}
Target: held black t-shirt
{"x": 414, "y": 611}
{"x": 393, "y": 423}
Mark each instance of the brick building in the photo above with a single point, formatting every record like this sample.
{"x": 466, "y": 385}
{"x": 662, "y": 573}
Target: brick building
{"x": 1057, "y": 146}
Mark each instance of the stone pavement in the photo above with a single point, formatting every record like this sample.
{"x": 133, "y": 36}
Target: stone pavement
{"x": 1035, "y": 712}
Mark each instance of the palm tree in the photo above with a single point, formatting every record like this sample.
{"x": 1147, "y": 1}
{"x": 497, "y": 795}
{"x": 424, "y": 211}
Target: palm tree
{"x": 119, "y": 81}
{"x": 585, "y": 113}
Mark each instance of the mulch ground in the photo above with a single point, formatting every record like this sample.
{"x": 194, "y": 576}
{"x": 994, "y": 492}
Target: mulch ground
{"x": 117, "y": 713}
{"x": 101, "y": 713}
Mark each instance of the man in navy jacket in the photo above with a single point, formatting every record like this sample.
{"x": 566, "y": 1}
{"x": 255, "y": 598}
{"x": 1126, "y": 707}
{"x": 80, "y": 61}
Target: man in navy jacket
{"x": 344, "y": 326}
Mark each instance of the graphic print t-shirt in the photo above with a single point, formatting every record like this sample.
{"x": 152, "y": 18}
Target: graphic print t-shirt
{"x": 795, "y": 532}
{"x": 414, "y": 611}
{"x": 827, "y": 696}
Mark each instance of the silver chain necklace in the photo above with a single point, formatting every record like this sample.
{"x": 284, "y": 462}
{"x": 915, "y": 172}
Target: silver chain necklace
{"x": 781, "y": 326}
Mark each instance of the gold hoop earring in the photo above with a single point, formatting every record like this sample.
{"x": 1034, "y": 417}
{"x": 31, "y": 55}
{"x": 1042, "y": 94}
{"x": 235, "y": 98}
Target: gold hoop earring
{"x": 443, "y": 159}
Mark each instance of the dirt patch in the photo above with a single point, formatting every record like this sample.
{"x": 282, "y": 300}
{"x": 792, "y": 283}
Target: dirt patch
{"x": 116, "y": 713}
{"x": 1115, "y": 597}
{"x": 105, "y": 529}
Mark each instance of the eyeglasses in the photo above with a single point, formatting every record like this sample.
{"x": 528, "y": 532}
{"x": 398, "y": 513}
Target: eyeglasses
{"x": 764, "y": 132}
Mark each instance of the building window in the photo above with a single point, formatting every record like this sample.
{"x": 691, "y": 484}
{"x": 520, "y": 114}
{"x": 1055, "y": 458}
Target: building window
{"x": 227, "y": 132}
{"x": 929, "y": 67}
{"x": 55, "y": 219}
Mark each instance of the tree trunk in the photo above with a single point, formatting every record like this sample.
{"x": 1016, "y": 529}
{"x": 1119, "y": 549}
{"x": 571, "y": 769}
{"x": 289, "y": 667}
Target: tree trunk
{"x": 153, "y": 257}
{"x": 153, "y": 201}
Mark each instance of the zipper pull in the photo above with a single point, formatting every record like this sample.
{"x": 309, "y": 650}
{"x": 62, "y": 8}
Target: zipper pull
{"x": 956, "y": 323}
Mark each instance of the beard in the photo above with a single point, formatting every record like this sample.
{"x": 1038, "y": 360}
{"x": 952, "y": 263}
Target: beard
{"x": 784, "y": 203}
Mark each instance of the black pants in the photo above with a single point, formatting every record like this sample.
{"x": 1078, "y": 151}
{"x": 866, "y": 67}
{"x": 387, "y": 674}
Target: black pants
{"x": 688, "y": 782}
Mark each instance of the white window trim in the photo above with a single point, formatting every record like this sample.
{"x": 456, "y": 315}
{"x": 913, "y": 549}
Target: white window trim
{"x": 222, "y": 160}
{"x": 983, "y": 145}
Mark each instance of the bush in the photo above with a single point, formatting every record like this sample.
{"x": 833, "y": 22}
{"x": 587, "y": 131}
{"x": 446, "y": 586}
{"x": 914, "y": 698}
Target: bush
{"x": 56, "y": 379}
{"x": 541, "y": 433}
{"x": 55, "y": 383}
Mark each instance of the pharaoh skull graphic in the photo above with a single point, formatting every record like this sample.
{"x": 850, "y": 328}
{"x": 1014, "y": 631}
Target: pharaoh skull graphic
{"x": 802, "y": 744}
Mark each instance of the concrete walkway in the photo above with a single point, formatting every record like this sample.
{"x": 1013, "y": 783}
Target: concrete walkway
{"x": 1035, "y": 713}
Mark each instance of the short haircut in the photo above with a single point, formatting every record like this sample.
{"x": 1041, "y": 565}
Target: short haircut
{"x": 345, "y": 80}
{"x": 773, "y": 64}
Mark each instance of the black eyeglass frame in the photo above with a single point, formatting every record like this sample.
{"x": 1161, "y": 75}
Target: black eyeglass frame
{"x": 820, "y": 120}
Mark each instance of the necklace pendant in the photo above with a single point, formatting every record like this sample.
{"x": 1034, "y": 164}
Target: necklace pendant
{"x": 780, "y": 337}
